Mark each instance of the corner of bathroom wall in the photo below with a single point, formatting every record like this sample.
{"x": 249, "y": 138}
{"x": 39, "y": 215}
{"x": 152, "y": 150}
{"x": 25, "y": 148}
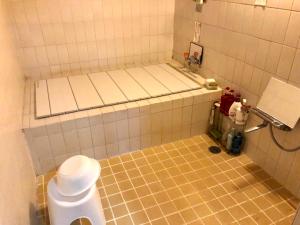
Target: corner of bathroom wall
{"x": 244, "y": 46}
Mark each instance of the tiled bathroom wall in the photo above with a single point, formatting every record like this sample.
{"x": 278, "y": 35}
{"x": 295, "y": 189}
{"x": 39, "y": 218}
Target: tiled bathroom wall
{"x": 17, "y": 185}
{"x": 297, "y": 218}
{"x": 245, "y": 45}
{"x": 56, "y": 37}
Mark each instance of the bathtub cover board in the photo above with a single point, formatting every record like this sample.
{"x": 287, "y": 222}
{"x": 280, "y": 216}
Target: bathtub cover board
{"x": 148, "y": 82}
{"x": 168, "y": 80}
{"x": 75, "y": 93}
{"x": 61, "y": 96}
{"x": 84, "y": 92}
{"x": 42, "y": 99}
{"x": 128, "y": 85}
{"x": 107, "y": 89}
{"x": 179, "y": 76}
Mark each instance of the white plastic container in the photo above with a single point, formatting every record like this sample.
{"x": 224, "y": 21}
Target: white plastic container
{"x": 76, "y": 175}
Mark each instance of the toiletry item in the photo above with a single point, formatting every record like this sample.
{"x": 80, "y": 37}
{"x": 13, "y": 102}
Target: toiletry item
{"x": 223, "y": 98}
{"x": 237, "y": 142}
{"x": 262, "y": 3}
{"x": 230, "y": 101}
{"x": 240, "y": 116}
{"x": 186, "y": 55}
{"x": 186, "y": 59}
{"x": 227, "y": 99}
{"x": 214, "y": 129}
{"x": 238, "y": 112}
{"x": 211, "y": 84}
{"x": 229, "y": 139}
{"x": 212, "y": 115}
{"x": 237, "y": 97}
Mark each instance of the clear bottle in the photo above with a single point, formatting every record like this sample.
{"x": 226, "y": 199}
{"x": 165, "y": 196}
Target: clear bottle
{"x": 230, "y": 137}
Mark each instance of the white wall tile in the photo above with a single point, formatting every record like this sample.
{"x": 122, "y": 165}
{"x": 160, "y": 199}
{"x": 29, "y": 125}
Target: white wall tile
{"x": 122, "y": 28}
{"x": 41, "y": 147}
{"x": 134, "y": 127}
{"x": 71, "y": 141}
{"x": 122, "y": 129}
{"x": 88, "y": 152}
{"x": 100, "y": 152}
{"x": 293, "y": 32}
{"x": 261, "y": 54}
{"x": 110, "y": 133}
{"x": 112, "y": 149}
{"x": 280, "y": 4}
{"x": 85, "y": 138}
{"x": 273, "y": 57}
{"x": 296, "y": 5}
{"x": 124, "y": 146}
{"x": 295, "y": 73}
{"x": 286, "y": 62}
{"x": 57, "y": 144}
{"x": 98, "y": 135}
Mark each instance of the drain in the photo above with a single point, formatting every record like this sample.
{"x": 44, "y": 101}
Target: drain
{"x": 214, "y": 149}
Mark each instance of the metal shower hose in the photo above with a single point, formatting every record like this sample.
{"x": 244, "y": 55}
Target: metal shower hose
{"x": 279, "y": 145}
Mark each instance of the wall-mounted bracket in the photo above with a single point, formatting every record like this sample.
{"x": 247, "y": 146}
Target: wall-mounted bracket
{"x": 267, "y": 119}
{"x": 199, "y": 4}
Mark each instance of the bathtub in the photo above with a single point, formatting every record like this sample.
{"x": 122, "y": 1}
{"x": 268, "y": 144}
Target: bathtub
{"x": 109, "y": 113}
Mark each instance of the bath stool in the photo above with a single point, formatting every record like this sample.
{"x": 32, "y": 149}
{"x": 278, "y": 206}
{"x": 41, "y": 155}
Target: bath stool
{"x": 73, "y": 193}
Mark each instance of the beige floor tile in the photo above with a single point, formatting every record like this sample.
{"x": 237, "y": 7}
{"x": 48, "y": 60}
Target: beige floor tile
{"x": 108, "y": 214}
{"x": 215, "y": 205}
{"x": 125, "y": 185}
{"x": 124, "y": 220}
{"x": 115, "y": 199}
{"x": 247, "y": 221}
{"x": 211, "y": 220}
{"x": 274, "y": 214}
{"x": 161, "y": 197}
{"x": 288, "y": 220}
{"x": 112, "y": 189}
{"x": 148, "y": 201}
{"x": 188, "y": 215}
{"x": 119, "y": 210}
{"x": 202, "y": 210}
{"x": 250, "y": 207}
{"x": 182, "y": 183}
{"x": 261, "y": 219}
{"x": 196, "y": 222}
{"x": 161, "y": 221}
{"x": 262, "y": 202}
{"x": 181, "y": 203}
{"x": 285, "y": 208}
{"x": 139, "y": 217}
{"x": 175, "y": 219}
{"x": 224, "y": 217}
{"x": 134, "y": 206}
{"x": 237, "y": 212}
{"x": 142, "y": 191}
{"x": 154, "y": 213}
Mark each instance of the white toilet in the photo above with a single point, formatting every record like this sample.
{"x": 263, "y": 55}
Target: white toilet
{"x": 73, "y": 194}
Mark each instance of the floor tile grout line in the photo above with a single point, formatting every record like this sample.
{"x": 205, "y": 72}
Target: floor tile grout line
{"x": 261, "y": 180}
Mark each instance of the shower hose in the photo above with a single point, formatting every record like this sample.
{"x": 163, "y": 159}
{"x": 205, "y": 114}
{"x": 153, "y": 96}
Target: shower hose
{"x": 279, "y": 145}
